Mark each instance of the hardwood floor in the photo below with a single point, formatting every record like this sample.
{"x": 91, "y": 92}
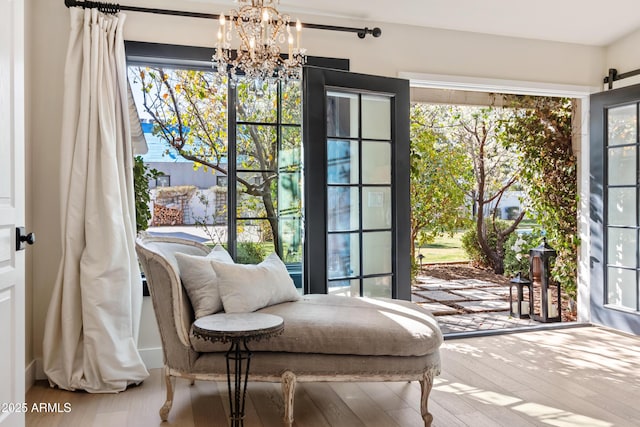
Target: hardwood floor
{"x": 569, "y": 377}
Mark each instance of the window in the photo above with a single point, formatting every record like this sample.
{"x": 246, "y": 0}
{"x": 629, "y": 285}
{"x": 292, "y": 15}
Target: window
{"x": 233, "y": 151}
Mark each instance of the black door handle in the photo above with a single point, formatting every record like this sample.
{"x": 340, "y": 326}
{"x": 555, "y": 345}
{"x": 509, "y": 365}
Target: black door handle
{"x": 21, "y": 238}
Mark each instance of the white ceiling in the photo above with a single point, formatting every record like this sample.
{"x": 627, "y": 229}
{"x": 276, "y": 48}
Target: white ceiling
{"x": 589, "y": 22}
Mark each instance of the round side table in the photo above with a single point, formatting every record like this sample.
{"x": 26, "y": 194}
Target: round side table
{"x": 238, "y": 328}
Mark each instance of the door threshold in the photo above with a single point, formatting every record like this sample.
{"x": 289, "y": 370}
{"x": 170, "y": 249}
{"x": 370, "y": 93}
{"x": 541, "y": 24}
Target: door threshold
{"x": 505, "y": 331}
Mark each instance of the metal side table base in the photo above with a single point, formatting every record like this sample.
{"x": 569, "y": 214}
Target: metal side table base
{"x": 239, "y": 391}
{"x": 238, "y": 328}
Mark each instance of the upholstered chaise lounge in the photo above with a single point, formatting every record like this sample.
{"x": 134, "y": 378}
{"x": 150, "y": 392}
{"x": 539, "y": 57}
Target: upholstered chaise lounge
{"x": 326, "y": 337}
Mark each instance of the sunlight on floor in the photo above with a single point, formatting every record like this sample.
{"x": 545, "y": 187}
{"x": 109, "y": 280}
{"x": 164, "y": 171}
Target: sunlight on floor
{"x": 542, "y": 413}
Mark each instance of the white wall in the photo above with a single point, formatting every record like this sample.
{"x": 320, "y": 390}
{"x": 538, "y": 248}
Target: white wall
{"x": 401, "y": 48}
{"x": 623, "y": 56}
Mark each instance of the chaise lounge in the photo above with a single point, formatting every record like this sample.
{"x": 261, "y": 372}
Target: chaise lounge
{"x": 326, "y": 337}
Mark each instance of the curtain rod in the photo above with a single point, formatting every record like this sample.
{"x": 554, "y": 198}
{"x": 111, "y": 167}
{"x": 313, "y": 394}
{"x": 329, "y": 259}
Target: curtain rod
{"x": 614, "y": 76}
{"x": 113, "y": 8}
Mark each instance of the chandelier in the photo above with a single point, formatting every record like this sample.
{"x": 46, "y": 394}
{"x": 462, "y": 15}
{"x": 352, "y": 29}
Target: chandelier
{"x": 261, "y": 32}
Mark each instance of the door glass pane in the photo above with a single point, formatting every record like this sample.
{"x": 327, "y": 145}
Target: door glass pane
{"x": 254, "y": 240}
{"x": 376, "y": 208}
{"x": 342, "y": 114}
{"x": 376, "y": 252}
{"x": 622, "y": 206}
{"x": 256, "y": 191}
{"x": 377, "y": 287}
{"x": 291, "y": 235}
{"x": 347, "y": 288}
{"x": 290, "y": 149}
{"x": 376, "y": 117}
{"x": 291, "y": 103}
{"x": 342, "y": 162}
{"x": 621, "y": 125}
{"x": 376, "y": 162}
{"x": 621, "y": 247}
{"x": 621, "y": 287}
{"x": 343, "y": 255}
{"x": 343, "y": 209}
{"x": 291, "y": 239}
{"x": 622, "y": 166}
{"x": 256, "y": 101}
{"x": 290, "y": 194}
{"x": 256, "y": 147}
{"x": 186, "y": 195}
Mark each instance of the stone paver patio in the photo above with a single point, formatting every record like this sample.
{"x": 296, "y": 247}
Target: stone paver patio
{"x": 466, "y": 305}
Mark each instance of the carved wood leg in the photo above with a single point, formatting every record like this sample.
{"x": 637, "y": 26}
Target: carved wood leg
{"x": 170, "y": 382}
{"x": 288, "y": 391}
{"x": 426, "y": 384}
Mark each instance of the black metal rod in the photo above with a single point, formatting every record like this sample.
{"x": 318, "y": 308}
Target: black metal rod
{"x": 361, "y": 32}
{"x": 614, "y": 76}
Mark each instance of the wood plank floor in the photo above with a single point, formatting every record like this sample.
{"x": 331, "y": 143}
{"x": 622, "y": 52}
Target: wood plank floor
{"x": 570, "y": 377}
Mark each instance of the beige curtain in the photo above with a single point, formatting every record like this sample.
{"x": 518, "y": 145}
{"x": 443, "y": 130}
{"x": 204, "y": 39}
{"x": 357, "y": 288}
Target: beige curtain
{"x": 91, "y": 329}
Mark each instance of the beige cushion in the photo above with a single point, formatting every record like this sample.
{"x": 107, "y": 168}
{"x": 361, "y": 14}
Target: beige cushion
{"x": 331, "y": 324}
{"x": 200, "y": 281}
{"x": 246, "y": 287}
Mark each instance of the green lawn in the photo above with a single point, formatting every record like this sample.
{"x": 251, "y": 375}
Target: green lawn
{"x": 444, "y": 249}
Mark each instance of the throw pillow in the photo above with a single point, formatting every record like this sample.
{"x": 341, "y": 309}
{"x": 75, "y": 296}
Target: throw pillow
{"x": 247, "y": 287}
{"x": 200, "y": 281}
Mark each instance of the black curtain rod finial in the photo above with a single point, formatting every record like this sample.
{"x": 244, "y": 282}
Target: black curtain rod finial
{"x": 375, "y": 32}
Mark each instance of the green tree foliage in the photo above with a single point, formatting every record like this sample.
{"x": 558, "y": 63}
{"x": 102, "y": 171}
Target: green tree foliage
{"x": 440, "y": 176}
{"x": 141, "y": 176}
{"x": 495, "y": 171}
{"x": 541, "y": 130}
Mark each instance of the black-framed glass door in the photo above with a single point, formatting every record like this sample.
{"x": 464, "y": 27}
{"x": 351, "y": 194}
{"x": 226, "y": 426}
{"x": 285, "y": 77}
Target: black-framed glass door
{"x": 615, "y": 213}
{"x": 356, "y": 143}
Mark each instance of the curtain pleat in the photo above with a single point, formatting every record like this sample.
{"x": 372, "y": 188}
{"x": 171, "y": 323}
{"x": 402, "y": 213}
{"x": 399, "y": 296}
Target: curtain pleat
{"x": 92, "y": 324}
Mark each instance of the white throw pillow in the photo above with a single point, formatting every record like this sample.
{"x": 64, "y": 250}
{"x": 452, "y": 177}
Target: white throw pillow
{"x": 200, "y": 281}
{"x": 247, "y": 287}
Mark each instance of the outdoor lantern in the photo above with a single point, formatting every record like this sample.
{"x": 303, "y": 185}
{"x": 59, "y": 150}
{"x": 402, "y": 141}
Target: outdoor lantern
{"x": 547, "y": 306}
{"x": 420, "y": 258}
{"x": 520, "y": 308}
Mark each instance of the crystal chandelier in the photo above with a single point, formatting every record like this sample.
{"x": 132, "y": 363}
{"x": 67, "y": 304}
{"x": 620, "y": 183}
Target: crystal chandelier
{"x": 261, "y": 31}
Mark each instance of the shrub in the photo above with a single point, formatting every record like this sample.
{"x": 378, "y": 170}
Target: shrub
{"x": 472, "y": 247}
{"x": 249, "y": 253}
{"x": 141, "y": 176}
{"x": 516, "y": 251}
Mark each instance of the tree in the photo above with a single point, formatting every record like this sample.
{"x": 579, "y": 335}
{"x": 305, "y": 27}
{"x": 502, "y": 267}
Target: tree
{"x": 440, "y": 174}
{"x": 495, "y": 170}
{"x": 541, "y": 129}
{"x": 189, "y": 112}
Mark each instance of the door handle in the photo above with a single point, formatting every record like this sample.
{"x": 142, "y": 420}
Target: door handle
{"x": 21, "y": 238}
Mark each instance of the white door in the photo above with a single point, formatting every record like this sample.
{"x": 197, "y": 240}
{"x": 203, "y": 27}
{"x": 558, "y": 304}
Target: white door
{"x": 12, "y": 305}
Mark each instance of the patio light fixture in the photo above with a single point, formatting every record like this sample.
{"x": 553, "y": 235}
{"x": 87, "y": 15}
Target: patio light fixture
{"x": 519, "y": 307}
{"x": 261, "y": 32}
{"x": 549, "y": 307}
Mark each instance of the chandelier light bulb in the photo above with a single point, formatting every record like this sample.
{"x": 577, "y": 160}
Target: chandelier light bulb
{"x": 263, "y": 35}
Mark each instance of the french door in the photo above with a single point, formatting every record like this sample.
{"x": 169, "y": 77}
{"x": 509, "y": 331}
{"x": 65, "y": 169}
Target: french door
{"x": 615, "y": 208}
{"x": 356, "y": 161}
